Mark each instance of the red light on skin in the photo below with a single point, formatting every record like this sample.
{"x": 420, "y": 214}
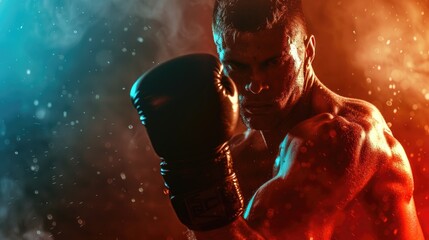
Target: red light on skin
{"x": 423, "y": 215}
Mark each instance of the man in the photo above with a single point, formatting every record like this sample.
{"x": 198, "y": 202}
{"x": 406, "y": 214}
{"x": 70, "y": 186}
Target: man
{"x": 337, "y": 153}
{"x": 310, "y": 160}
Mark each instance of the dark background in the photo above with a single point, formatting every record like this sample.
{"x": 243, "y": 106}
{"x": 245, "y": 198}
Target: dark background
{"x": 75, "y": 163}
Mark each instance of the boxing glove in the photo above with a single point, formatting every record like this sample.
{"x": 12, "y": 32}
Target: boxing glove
{"x": 190, "y": 110}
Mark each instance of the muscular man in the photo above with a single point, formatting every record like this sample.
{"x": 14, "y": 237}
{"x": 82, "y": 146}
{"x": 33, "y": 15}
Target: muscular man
{"x": 336, "y": 154}
{"x": 312, "y": 164}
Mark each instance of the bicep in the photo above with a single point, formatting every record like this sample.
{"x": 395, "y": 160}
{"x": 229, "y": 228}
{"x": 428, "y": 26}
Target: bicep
{"x": 396, "y": 219}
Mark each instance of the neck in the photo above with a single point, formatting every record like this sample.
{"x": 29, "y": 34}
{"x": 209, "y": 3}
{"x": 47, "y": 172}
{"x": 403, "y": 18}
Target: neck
{"x": 300, "y": 111}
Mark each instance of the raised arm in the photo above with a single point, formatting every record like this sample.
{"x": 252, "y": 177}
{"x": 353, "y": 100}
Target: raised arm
{"x": 321, "y": 172}
{"x": 190, "y": 111}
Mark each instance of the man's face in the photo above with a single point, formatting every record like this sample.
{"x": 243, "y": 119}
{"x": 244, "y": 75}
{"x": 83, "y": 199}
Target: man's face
{"x": 267, "y": 67}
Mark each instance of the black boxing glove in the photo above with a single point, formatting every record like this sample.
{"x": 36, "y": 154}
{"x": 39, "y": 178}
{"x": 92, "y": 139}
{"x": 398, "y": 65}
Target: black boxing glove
{"x": 190, "y": 109}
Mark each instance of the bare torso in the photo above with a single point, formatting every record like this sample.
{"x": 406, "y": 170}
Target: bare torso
{"x": 339, "y": 174}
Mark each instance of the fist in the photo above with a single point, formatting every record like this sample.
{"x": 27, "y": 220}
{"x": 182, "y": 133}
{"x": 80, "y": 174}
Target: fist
{"x": 187, "y": 105}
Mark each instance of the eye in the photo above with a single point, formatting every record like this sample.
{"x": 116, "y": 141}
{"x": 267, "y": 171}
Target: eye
{"x": 274, "y": 61}
{"x": 235, "y": 66}
{"x": 237, "y": 71}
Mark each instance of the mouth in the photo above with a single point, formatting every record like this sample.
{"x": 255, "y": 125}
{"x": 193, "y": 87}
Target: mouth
{"x": 258, "y": 108}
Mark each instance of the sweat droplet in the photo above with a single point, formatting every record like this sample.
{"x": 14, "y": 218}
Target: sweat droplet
{"x": 123, "y": 176}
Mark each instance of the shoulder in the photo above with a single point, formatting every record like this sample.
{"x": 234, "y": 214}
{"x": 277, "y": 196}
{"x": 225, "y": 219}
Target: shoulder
{"x": 353, "y": 141}
{"x": 393, "y": 176}
{"x": 356, "y": 119}
{"x": 363, "y": 113}
{"x": 379, "y": 139}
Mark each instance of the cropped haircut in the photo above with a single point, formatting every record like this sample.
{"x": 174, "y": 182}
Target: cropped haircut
{"x": 234, "y": 16}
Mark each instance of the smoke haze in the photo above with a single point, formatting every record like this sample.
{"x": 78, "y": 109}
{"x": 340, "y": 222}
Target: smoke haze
{"x": 75, "y": 161}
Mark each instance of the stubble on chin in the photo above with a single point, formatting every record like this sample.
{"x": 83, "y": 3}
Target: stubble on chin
{"x": 262, "y": 123}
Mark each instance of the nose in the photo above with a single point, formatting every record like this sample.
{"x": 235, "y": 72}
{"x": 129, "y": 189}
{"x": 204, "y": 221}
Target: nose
{"x": 256, "y": 88}
{"x": 257, "y": 83}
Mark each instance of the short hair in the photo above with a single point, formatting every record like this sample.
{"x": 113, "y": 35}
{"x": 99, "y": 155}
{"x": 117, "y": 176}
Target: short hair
{"x": 231, "y": 16}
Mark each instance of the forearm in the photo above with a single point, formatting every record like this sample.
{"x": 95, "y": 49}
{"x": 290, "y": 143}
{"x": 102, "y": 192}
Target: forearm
{"x": 237, "y": 230}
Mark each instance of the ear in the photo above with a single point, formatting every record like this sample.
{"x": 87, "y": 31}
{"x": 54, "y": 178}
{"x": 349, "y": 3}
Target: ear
{"x": 310, "y": 50}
